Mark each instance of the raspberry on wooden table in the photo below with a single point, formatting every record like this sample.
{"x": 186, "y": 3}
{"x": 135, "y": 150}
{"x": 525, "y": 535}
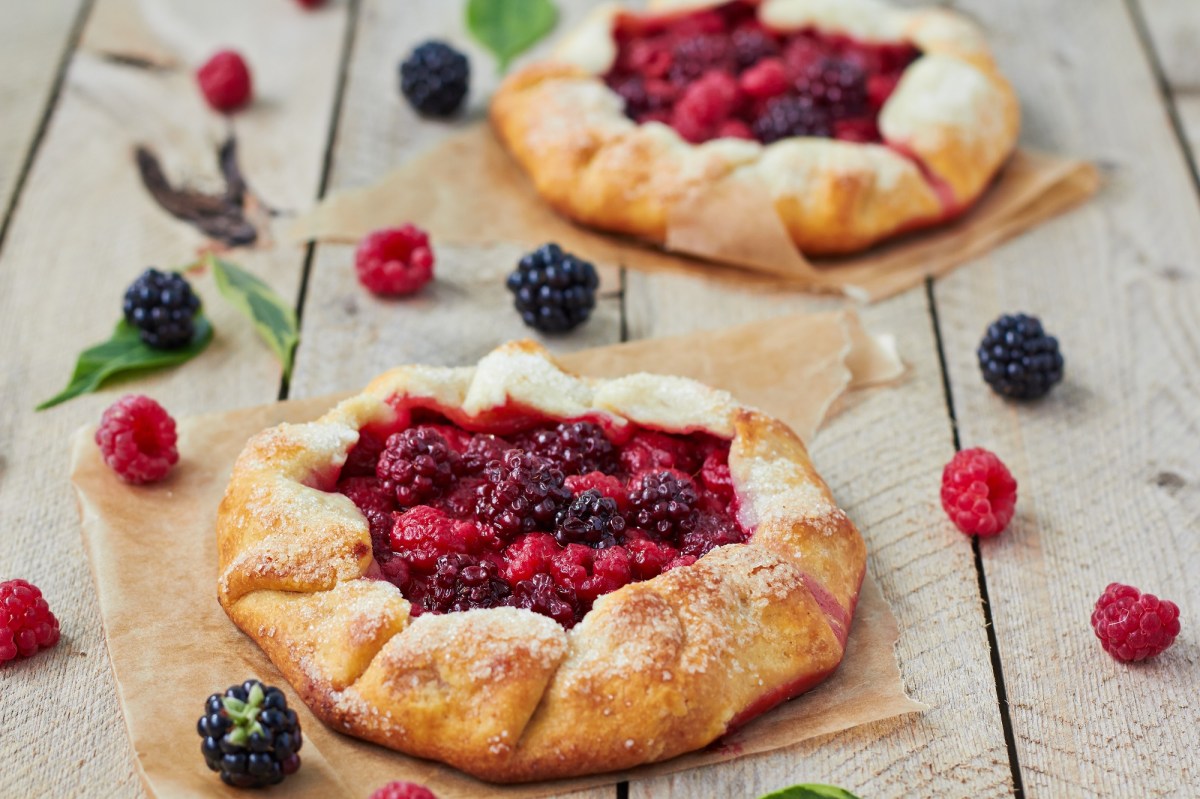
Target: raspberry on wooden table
{"x": 225, "y": 81}
{"x": 137, "y": 439}
{"x": 979, "y": 494}
{"x": 26, "y": 623}
{"x": 394, "y": 262}
{"x": 1134, "y": 626}
{"x": 403, "y": 790}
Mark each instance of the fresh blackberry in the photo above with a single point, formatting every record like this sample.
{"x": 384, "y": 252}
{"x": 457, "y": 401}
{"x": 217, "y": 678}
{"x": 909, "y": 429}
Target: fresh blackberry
{"x": 1018, "y": 359}
{"x": 838, "y": 87}
{"x": 462, "y": 582}
{"x": 521, "y": 493}
{"x": 575, "y": 447}
{"x": 541, "y": 595}
{"x": 482, "y": 450}
{"x": 250, "y": 735}
{"x": 161, "y": 305}
{"x": 699, "y": 54}
{"x": 418, "y": 463}
{"x": 708, "y": 531}
{"x": 751, "y": 45}
{"x": 789, "y": 115}
{"x": 662, "y": 503}
{"x": 554, "y": 291}
{"x": 592, "y": 519}
{"x": 434, "y": 78}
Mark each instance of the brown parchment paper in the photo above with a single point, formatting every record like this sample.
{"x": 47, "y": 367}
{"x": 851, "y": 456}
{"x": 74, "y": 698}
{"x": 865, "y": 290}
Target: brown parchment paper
{"x": 153, "y": 555}
{"x": 466, "y": 190}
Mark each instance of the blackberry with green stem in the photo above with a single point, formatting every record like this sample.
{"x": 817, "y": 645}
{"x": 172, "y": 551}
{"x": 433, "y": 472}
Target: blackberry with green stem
{"x": 162, "y": 307}
{"x": 553, "y": 290}
{"x": 250, "y": 736}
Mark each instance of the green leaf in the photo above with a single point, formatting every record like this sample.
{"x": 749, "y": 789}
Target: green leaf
{"x": 125, "y": 353}
{"x": 510, "y": 27}
{"x": 810, "y": 791}
{"x": 274, "y": 319}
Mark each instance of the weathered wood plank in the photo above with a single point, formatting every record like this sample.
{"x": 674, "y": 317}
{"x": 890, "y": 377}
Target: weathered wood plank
{"x": 84, "y": 228}
{"x": 882, "y": 457}
{"x": 1107, "y": 464}
{"x": 350, "y": 336}
{"x": 33, "y": 38}
{"x": 1174, "y": 28}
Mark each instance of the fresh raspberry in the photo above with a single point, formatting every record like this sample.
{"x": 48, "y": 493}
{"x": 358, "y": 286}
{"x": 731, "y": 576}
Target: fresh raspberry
{"x": 377, "y": 502}
{"x": 649, "y": 57}
{"x": 403, "y": 790}
{"x": 606, "y": 484}
{"x": 225, "y": 81}
{"x": 591, "y": 519}
{"x": 647, "y": 557}
{"x": 591, "y": 573}
{"x": 858, "y": 129}
{"x": 650, "y": 450}
{"x": 422, "y": 535}
{"x": 574, "y": 447}
{"x": 705, "y": 104}
{"x": 26, "y": 623}
{"x": 662, "y": 503}
{"x": 522, "y": 493}
{"x": 765, "y": 79}
{"x": 137, "y": 439}
{"x": 715, "y": 475}
{"x": 311, "y": 4}
{"x": 1132, "y": 625}
{"x": 979, "y": 494}
{"x": 394, "y": 262}
{"x": 529, "y": 555}
{"x": 734, "y": 129}
{"x": 418, "y": 463}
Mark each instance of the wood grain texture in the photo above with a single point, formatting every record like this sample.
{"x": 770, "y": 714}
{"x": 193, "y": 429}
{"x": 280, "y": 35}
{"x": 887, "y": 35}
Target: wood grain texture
{"x": 1107, "y": 464}
{"x": 83, "y": 230}
{"x": 882, "y": 456}
{"x": 1174, "y": 27}
{"x": 33, "y": 37}
{"x": 465, "y": 311}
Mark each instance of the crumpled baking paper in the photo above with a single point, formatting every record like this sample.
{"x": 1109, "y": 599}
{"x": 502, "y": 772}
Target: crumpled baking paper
{"x": 153, "y": 554}
{"x": 467, "y": 190}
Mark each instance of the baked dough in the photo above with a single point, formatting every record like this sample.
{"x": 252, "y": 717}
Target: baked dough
{"x": 950, "y": 124}
{"x": 657, "y": 668}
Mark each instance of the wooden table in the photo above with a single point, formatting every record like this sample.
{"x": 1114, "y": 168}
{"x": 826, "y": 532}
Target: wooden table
{"x": 995, "y": 634}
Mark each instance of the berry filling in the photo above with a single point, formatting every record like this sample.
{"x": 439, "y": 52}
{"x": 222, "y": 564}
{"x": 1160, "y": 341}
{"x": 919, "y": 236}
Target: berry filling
{"x": 548, "y": 516}
{"x": 722, "y": 72}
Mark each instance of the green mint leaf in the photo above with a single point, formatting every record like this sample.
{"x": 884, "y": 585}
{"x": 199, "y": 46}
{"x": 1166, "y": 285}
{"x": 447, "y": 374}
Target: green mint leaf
{"x": 810, "y": 791}
{"x": 125, "y": 353}
{"x": 510, "y": 27}
{"x": 274, "y": 319}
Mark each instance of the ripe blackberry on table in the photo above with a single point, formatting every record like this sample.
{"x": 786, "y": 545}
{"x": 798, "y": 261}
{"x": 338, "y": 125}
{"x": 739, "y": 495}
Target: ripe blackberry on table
{"x": 250, "y": 735}
{"x": 162, "y": 306}
{"x": 1018, "y": 359}
{"x": 553, "y": 290}
{"x": 434, "y": 78}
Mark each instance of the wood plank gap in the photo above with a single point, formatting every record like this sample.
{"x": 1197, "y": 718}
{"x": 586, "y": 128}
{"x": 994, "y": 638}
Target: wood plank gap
{"x": 1010, "y": 739}
{"x": 1138, "y": 19}
{"x": 60, "y": 76}
{"x": 310, "y": 249}
{"x": 624, "y": 308}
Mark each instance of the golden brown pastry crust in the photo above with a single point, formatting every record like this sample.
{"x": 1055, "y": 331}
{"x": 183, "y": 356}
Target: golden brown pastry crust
{"x": 657, "y": 668}
{"x": 948, "y": 127}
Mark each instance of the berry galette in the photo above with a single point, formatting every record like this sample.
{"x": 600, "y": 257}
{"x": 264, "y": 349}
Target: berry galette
{"x": 528, "y": 574}
{"x": 859, "y": 120}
